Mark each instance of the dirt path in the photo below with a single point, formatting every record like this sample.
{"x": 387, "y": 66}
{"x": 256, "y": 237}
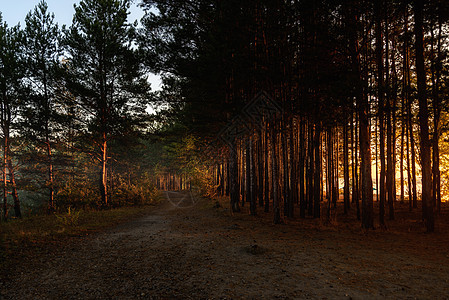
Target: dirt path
{"x": 186, "y": 249}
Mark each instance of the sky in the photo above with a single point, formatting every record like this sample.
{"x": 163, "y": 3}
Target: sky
{"x": 14, "y": 12}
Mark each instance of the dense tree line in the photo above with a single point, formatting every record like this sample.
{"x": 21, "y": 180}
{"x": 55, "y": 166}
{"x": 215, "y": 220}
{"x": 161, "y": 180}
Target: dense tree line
{"x": 360, "y": 87}
{"x": 73, "y": 109}
{"x": 363, "y": 91}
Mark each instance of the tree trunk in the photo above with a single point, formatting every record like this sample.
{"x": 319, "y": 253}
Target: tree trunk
{"x": 436, "y": 62}
{"x": 277, "y": 214}
{"x": 51, "y": 194}
{"x": 423, "y": 117}
{"x": 389, "y": 136}
{"x": 310, "y": 169}
{"x": 253, "y": 205}
{"x": 248, "y": 172}
{"x": 234, "y": 176}
{"x": 267, "y": 166}
{"x": 365, "y": 145}
{"x": 293, "y": 178}
{"x": 302, "y": 200}
{"x": 330, "y": 172}
{"x": 335, "y": 193}
{"x": 317, "y": 174}
{"x": 365, "y": 155}
{"x": 242, "y": 175}
{"x": 104, "y": 178}
{"x": 380, "y": 95}
{"x": 5, "y": 159}
{"x": 412, "y": 146}
{"x": 285, "y": 171}
{"x": 15, "y": 195}
{"x": 260, "y": 168}
{"x": 346, "y": 166}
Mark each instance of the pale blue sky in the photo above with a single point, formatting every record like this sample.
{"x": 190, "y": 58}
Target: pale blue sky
{"x": 14, "y": 11}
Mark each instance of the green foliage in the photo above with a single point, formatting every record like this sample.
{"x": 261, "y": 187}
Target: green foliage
{"x": 128, "y": 193}
{"x": 70, "y": 218}
{"x": 202, "y": 180}
{"x": 104, "y": 73}
{"x": 41, "y": 121}
{"x": 81, "y": 195}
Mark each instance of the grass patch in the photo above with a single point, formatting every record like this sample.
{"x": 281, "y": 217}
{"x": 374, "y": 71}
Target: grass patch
{"x": 21, "y": 238}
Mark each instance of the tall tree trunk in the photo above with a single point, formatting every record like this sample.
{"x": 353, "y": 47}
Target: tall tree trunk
{"x": 228, "y": 178}
{"x": 377, "y": 157}
{"x": 330, "y": 173}
{"x": 285, "y": 168}
{"x": 248, "y": 171}
{"x": 346, "y": 165}
{"x": 260, "y": 168}
{"x": 380, "y": 96}
{"x": 403, "y": 129}
{"x": 389, "y": 138}
{"x": 310, "y": 170}
{"x": 242, "y": 175}
{"x": 293, "y": 178}
{"x": 406, "y": 105}
{"x": 15, "y": 195}
{"x": 363, "y": 106}
{"x": 356, "y": 192}
{"x": 5, "y": 159}
{"x": 51, "y": 203}
{"x": 409, "y": 176}
{"x": 436, "y": 62}
{"x": 51, "y": 190}
{"x": 103, "y": 175}
{"x": 317, "y": 174}
{"x": 335, "y": 190}
{"x": 413, "y": 161}
{"x": 274, "y": 159}
{"x": 267, "y": 166}
{"x": 302, "y": 199}
{"x": 423, "y": 117}
{"x": 253, "y": 204}
{"x": 365, "y": 155}
{"x": 234, "y": 176}
{"x": 394, "y": 116}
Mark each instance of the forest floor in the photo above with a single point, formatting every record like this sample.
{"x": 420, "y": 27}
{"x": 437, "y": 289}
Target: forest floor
{"x": 193, "y": 248}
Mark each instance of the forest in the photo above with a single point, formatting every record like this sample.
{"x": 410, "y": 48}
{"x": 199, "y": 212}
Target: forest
{"x": 298, "y": 107}
{"x": 292, "y": 108}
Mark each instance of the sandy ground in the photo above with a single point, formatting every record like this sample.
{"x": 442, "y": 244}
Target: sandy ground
{"x": 188, "y": 249}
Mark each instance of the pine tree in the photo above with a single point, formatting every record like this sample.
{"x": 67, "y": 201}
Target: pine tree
{"x": 105, "y": 75}
{"x": 40, "y": 117}
{"x": 423, "y": 116}
{"x": 11, "y": 89}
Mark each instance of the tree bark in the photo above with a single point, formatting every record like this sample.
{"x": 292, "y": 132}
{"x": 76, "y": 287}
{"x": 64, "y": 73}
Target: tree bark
{"x": 253, "y": 205}
{"x": 103, "y": 175}
{"x": 423, "y": 118}
{"x": 15, "y": 195}
{"x": 5, "y": 159}
{"x": 267, "y": 166}
{"x": 276, "y": 209}
{"x": 317, "y": 174}
{"x": 389, "y": 137}
{"x": 380, "y": 96}
{"x": 346, "y": 166}
{"x": 436, "y": 63}
{"x": 234, "y": 175}
{"x": 302, "y": 199}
